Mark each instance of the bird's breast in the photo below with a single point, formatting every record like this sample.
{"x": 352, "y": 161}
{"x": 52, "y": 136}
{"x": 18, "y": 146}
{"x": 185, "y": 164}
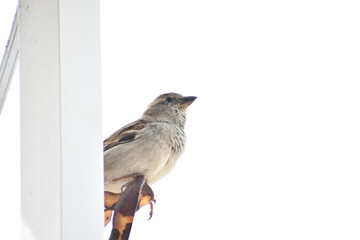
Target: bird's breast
{"x": 153, "y": 154}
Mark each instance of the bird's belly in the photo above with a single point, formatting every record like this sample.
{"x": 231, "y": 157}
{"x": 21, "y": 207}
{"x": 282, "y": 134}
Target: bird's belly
{"x": 123, "y": 161}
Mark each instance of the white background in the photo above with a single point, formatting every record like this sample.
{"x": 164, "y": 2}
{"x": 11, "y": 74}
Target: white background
{"x": 274, "y": 136}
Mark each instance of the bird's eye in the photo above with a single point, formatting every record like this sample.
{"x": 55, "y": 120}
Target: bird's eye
{"x": 169, "y": 99}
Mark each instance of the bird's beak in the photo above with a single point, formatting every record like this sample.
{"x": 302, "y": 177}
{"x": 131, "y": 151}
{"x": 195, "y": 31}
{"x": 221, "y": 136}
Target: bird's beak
{"x": 187, "y": 101}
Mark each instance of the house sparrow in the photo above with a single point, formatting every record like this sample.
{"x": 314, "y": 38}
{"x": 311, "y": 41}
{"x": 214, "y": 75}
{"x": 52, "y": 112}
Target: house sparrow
{"x": 149, "y": 146}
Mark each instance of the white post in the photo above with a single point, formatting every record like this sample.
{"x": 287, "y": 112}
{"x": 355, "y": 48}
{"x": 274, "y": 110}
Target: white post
{"x": 61, "y": 139}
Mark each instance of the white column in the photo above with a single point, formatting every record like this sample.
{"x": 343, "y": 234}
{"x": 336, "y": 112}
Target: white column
{"x": 61, "y": 139}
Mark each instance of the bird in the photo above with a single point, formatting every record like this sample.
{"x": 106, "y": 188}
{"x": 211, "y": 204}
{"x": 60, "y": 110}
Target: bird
{"x": 149, "y": 146}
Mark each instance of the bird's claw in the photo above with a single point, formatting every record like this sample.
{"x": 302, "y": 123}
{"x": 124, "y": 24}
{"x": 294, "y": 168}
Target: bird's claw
{"x": 125, "y": 186}
{"x": 151, "y": 208}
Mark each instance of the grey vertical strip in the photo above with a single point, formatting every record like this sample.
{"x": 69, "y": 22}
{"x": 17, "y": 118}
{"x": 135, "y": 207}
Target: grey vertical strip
{"x": 9, "y": 62}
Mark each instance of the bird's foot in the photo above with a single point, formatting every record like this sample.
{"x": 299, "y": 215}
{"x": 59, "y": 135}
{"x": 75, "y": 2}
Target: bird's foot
{"x": 151, "y": 208}
{"x": 136, "y": 195}
{"x": 147, "y": 197}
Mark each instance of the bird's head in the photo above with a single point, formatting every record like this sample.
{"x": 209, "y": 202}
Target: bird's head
{"x": 169, "y": 107}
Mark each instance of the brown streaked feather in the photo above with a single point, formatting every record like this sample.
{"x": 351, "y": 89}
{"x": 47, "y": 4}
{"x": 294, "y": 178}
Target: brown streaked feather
{"x": 124, "y": 135}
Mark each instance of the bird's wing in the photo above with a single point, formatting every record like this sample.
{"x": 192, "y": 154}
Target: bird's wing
{"x": 126, "y": 134}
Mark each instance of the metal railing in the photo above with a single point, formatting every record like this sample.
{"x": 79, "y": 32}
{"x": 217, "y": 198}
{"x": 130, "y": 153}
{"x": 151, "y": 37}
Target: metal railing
{"x": 9, "y": 62}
